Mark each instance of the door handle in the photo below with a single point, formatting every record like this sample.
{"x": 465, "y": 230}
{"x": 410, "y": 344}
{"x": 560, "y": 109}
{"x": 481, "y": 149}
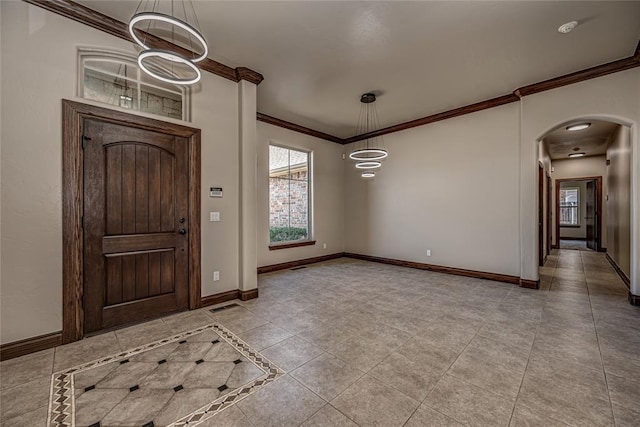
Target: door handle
{"x": 182, "y": 231}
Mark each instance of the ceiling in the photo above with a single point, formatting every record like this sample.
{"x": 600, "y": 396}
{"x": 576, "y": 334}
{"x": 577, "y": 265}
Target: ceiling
{"x": 422, "y": 58}
{"x": 592, "y": 141}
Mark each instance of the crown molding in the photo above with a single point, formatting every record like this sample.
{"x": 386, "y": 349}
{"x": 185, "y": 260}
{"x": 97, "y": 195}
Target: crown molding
{"x": 580, "y": 76}
{"x": 449, "y": 114}
{"x": 297, "y": 128}
{"x": 84, "y": 15}
{"x": 244, "y": 73}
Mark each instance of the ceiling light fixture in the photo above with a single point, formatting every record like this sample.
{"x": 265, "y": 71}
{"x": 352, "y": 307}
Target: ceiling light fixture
{"x": 369, "y": 151}
{"x": 566, "y": 28}
{"x": 368, "y": 174}
{"x": 368, "y": 165}
{"x": 174, "y": 27}
{"x": 574, "y": 155}
{"x": 170, "y": 75}
{"x": 578, "y": 126}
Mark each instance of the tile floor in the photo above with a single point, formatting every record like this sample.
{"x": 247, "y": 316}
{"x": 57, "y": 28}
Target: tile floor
{"x": 370, "y": 344}
{"x": 580, "y": 245}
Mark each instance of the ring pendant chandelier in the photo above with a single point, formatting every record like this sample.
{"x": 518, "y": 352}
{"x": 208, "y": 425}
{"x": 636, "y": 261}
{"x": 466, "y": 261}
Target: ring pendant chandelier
{"x": 370, "y": 152}
{"x": 168, "y": 65}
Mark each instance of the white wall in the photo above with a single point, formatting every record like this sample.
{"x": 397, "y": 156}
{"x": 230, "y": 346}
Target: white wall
{"x": 615, "y": 97}
{"x": 581, "y": 231}
{"x": 451, "y": 187}
{"x": 39, "y": 70}
{"x": 619, "y": 203}
{"x": 327, "y": 193}
{"x": 580, "y": 168}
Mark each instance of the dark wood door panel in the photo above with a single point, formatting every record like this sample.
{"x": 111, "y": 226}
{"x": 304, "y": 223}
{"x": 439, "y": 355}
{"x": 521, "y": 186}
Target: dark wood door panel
{"x": 112, "y": 134}
{"x": 140, "y": 189}
{"x": 139, "y": 310}
{"x": 139, "y": 242}
{"x": 132, "y": 276}
{"x": 136, "y": 205}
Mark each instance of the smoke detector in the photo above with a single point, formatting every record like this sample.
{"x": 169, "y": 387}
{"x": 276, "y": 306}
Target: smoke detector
{"x": 566, "y": 28}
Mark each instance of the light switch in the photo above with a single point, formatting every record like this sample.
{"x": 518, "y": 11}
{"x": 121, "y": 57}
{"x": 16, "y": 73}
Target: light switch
{"x": 214, "y": 216}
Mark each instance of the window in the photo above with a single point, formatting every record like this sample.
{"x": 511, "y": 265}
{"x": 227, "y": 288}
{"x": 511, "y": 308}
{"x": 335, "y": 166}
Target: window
{"x": 115, "y": 79}
{"x": 569, "y": 206}
{"x": 289, "y": 196}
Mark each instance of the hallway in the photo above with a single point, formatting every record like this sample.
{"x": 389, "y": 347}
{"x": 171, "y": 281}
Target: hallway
{"x": 352, "y": 343}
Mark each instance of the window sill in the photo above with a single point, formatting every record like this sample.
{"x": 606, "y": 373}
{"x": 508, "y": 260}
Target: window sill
{"x": 570, "y": 226}
{"x": 291, "y": 245}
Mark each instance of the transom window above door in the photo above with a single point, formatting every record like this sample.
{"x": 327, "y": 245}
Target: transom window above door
{"x": 289, "y": 196}
{"x": 114, "y": 78}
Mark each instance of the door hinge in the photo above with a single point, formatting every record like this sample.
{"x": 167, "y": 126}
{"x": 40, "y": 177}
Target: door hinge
{"x": 83, "y": 222}
{"x": 84, "y": 139}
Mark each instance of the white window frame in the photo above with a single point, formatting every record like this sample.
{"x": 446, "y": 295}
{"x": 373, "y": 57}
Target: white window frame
{"x": 89, "y": 54}
{"x": 309, "y": 239}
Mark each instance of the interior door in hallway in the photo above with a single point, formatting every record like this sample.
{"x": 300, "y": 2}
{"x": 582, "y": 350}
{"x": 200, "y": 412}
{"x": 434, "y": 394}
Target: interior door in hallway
{"x": 135, "y": 224}
{"x": 591, "y": 215}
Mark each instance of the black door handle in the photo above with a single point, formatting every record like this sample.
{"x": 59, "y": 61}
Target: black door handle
{"x": 182, "y": 231}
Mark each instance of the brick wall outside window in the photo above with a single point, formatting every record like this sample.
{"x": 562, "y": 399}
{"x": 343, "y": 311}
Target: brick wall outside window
{"x": 288, "y": 199}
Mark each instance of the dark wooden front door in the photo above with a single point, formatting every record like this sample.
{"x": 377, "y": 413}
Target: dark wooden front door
{"x": 136, "y": 186}
{"x": 591, "y": 215}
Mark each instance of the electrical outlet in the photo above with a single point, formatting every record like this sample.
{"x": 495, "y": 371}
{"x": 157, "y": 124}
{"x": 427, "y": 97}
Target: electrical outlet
{"x": 428, "y": 252}
{"x": 216, "y": 276}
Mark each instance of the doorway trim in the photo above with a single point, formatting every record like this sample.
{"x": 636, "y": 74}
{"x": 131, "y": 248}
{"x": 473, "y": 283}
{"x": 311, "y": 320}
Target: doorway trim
{"x": 73, "y": 114}
{"x": 542, "y": 257}
{"x": 598, "y": 180}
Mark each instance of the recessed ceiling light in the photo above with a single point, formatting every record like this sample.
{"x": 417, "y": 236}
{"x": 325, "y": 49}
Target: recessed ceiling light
{"x": 566, "y": 28}
{"x": 578, "y": 126}
{"x": 573, "y": 155}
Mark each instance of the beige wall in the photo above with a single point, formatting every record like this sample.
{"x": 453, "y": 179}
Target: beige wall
{"x": 619, "y": 199}
{"x": 615, "y": 97}
{"x": 578, "y": 232}
{"x": 38, "y": 70}
{"x": 580, "y": 168}
{"x": 327, "y": 193}
{"x": 450, "y": 187}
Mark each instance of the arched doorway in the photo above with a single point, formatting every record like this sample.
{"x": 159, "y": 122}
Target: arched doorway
{"x": 590, "y": 205}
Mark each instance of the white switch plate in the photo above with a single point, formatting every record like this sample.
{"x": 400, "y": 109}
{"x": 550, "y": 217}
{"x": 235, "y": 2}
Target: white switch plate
{"x": 324, "y": 246}
{"x": 428, "y": 252}
{"x": 216, "y": 276}
{"x": 214, "y": 216}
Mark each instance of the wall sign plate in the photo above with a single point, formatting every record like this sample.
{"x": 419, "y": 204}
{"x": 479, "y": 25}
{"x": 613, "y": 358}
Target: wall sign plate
{"x": 215, "y": 192}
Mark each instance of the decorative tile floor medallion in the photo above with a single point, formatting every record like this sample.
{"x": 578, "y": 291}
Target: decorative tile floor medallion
{"x": 178, "y": 381}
